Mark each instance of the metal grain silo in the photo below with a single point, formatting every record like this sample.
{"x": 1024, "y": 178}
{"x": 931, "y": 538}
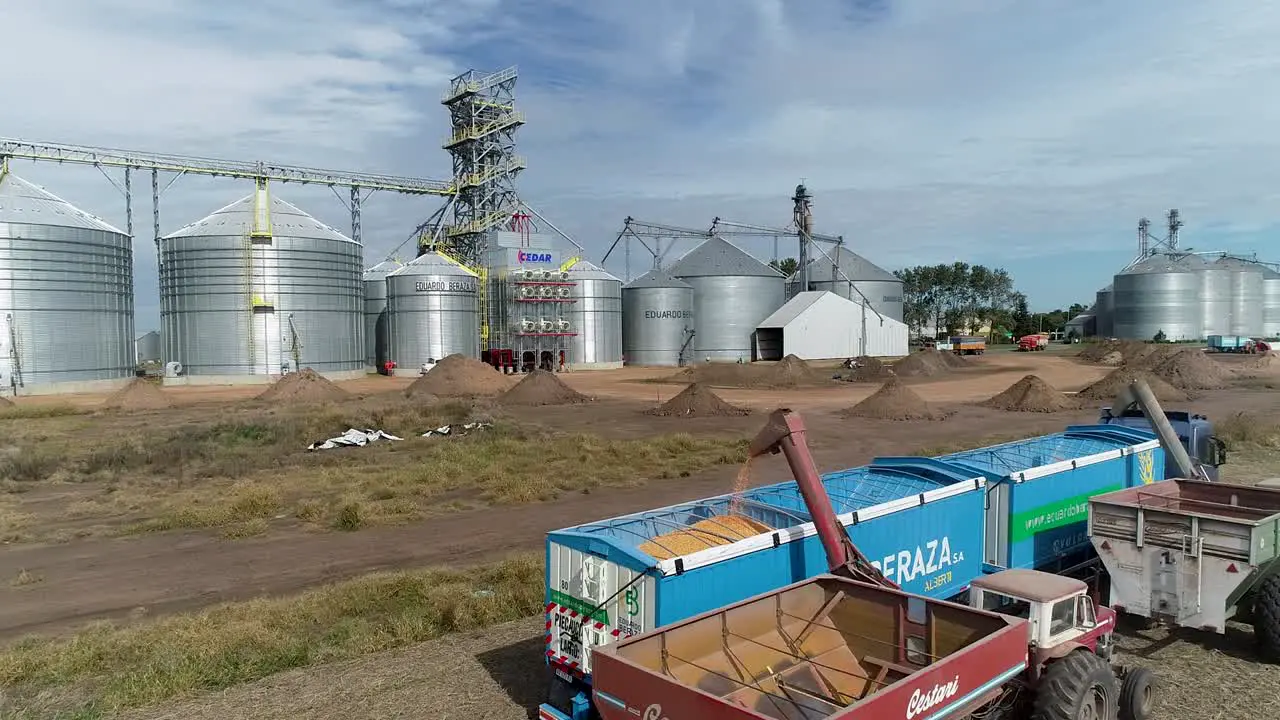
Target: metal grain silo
{"x": 1157, "y": 295}
{"x": 1214, "y": 297}
{"x": 657, "y": 320}
{"x": 1104, "y": 312}
{"x": 1246, "y": 298}
{"x": 1271, "y": 303}
{"x": 375, "y": 312}
{"x": 596, "y": 317}
{"x": 433, "y": 311}
{"x": 881, "y": 288}
{"x": 66, "y": 295}
{"x": 732, "y": 293}
{"x": 259, "y": 288}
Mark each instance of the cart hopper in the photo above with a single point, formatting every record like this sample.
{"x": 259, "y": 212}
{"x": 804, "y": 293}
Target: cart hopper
{"x": 824, "y": 648}
{"x": 1186, "y": 551}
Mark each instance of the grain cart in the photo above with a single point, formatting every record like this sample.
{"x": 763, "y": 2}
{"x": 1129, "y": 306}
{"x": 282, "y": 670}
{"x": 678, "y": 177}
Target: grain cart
{"x": 817, "y": 649}
{"x": 1193, "y": 554}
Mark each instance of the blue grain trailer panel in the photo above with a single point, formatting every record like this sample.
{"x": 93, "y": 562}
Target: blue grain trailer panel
{"x": 914, "y": 517}
{"x": 1038, "y": 489}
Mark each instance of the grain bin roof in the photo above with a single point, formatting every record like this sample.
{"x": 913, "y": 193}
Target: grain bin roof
{"x": 853, "y": 265}
{"x": 586, "y": 270}
{"x": 237, "y": 219}
{"x": 719, "y": 257}
{"x": 432, "y": 264}
{"x": 1166, "y": 264}
{"x": 22, "y": 203}
{"x": 382, "y": 269}
{"x": 657, "y": 278}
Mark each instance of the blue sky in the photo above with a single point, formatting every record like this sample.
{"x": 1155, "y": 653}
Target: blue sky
{"x": 1026, "y": 135}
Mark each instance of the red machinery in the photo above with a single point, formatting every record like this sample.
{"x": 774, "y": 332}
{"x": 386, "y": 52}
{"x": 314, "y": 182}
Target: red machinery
{"x": 1032, "y": 343}
{"x": 851, "y": 645}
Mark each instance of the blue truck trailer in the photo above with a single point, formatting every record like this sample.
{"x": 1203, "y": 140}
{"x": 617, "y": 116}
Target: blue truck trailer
{"x": 932, "y": 525}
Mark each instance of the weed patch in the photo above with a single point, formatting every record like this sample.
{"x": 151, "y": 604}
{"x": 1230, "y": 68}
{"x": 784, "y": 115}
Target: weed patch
{"x": 108, "y": 668}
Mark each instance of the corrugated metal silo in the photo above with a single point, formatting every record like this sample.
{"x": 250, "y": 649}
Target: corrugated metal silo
{"x": 433, "y": 311}
{"x": 882, "y": 289}
{"x": 1083, "y": 325}
{"x": 657, "y": 320}
{"x": 1247, "y": 296}
{"x": 1104, "y": 311}
{"x": 259, "y": 287}
{"x": 732, "y": 293}
{"x": 66, "y": 295}
{"x": 375, "y": 312}
{"x": 596, "y": 316}
{"x": 1215, "y": 298}
{"x": 1156, "y": 295}
{"x": 1271, "y": 303}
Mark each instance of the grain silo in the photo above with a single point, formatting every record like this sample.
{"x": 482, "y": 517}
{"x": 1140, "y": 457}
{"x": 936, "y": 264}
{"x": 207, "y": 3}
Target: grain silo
{"x": 433, "y": 311}
{"x": 657, "y": 320}
{"x": 66, "y": 297}
{"x": 1215, "y": 297}
{"x": 1247, "y": 298}
{"x": 732, "y": 293}
{"x": 375, "y": 312}
{"x": 1270, "y": 303}
{"x": 257, "y": 289}
{"x": 1104, "y": 312}
{"x": 596, "y": 317}
{"x": 1159, "y": 295}
{"x": 881, "y": 288}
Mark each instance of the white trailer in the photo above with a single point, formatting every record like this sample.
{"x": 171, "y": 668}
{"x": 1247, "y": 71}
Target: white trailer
{"x": 1193, "y": 554}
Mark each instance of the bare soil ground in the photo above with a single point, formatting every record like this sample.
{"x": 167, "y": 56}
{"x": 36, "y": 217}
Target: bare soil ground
{"x": 153, "y": 573}
{"x": 52, "y": 587}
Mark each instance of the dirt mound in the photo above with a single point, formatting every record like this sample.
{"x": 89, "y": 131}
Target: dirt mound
{"x": 1264, "y": 364}
{"x": 951, "y": 359}
{"x": 1110, "y": 386}
{"x": 869, "y": 370}
{"x": 1112, "y": 358}
{"x": 1129, "y": 351}
{"x": 789, "y": 372}
{"x": 712, "y": 532}
{"x": 1031, "y": 394}
{"x": 6, "y": 402}
{"x": 304, "y": 386}
{"x": 926, "y": 363}
{"x": 458, "y": 376}
{"x": 1192, "y": 370}
{"x": 895, "y": 401}
{"x": 541, "y": 388}
{"x": 697, "y": 401}
{"x": 138, "y": 395}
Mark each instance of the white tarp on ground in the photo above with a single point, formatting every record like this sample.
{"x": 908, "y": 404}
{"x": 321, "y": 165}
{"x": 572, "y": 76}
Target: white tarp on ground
{"x": 820, "y": 325}
{"x": 352, "y": 438}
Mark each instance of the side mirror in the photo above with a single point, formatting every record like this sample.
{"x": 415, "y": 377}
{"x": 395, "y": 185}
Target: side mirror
{"x": 1217, "y": 452}
{"x": 1085, "y": 614}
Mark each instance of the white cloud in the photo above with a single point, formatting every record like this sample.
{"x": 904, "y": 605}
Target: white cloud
{"x": 992, "y": 130}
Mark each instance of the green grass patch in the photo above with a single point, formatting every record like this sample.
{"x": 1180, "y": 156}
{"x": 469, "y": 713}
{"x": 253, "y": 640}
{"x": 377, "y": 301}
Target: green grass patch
{"x": 108, "y": 668}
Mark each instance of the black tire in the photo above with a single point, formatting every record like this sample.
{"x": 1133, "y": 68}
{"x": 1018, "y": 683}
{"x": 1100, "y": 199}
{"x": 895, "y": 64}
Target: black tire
{"x": 1266, "y": 619}
{"x": 1137, "y": 694}
{"x": 1080, "y": 686}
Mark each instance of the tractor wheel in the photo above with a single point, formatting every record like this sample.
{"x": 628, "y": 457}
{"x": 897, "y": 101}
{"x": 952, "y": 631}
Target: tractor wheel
{"x": 1080, "y": 686}
{"x": 1266, "y": 619}
{"x": 1137, "y": 694}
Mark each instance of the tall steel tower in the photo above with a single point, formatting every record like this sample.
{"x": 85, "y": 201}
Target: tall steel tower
{"x": 482, "y": 145}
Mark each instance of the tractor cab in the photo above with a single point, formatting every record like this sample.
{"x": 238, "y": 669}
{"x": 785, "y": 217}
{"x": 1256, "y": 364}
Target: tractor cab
{"x": 1062, "y": 615}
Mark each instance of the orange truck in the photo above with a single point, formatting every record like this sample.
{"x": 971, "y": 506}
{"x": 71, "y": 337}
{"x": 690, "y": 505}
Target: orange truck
{"x": 968, "y": 345}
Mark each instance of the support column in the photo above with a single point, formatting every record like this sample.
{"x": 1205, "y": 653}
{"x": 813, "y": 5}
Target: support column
{"x": 128, "y": 202}
{"x": 155, "y": 212}
{"x": 355, "y": 213}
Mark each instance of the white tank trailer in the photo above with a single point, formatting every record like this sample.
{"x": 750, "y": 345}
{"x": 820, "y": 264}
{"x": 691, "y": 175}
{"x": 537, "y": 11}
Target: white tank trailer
{"x": 657, "y": 320}
{"x": 258, "y": 289}
{"x": 66, "y": 315}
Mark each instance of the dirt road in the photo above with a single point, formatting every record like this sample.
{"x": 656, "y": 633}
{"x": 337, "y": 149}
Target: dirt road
{"x": 156, "y": 574}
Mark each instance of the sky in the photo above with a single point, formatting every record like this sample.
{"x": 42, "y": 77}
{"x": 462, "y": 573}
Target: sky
{"x": 1029, "y": 136}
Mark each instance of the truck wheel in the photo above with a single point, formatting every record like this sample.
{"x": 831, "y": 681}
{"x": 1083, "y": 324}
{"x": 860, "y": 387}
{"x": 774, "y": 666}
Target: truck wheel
{"x": 1266, "y": 619}
{"x": 1137, "y": 694}
{"x": 1080, "y": 686}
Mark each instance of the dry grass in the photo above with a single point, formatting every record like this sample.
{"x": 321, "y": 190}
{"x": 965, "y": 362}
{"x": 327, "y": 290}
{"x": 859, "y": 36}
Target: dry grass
{"x": 239, "y": 470}
{"x": 109, "y": 668}
{"x": 1253, "y": 447}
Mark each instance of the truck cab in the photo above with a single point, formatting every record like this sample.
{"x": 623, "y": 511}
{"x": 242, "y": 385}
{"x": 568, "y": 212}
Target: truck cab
{"x": 1061, "y": 614}
{"x": 1194, "y": 431}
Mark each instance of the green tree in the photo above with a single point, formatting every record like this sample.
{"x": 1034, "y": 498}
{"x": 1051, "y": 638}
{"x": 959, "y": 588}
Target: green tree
{"x": 956, "y": 296}
{"x": 786, "y": 266}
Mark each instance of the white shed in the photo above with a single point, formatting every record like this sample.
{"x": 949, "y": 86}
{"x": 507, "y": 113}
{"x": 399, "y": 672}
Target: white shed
{"x": 820, "y": 325}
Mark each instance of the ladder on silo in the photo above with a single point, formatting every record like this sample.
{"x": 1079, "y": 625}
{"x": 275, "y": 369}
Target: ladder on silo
{"x": 15, "y": 355}
{"x": 259, "y": 233}
{"x": 295, "y": 345}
